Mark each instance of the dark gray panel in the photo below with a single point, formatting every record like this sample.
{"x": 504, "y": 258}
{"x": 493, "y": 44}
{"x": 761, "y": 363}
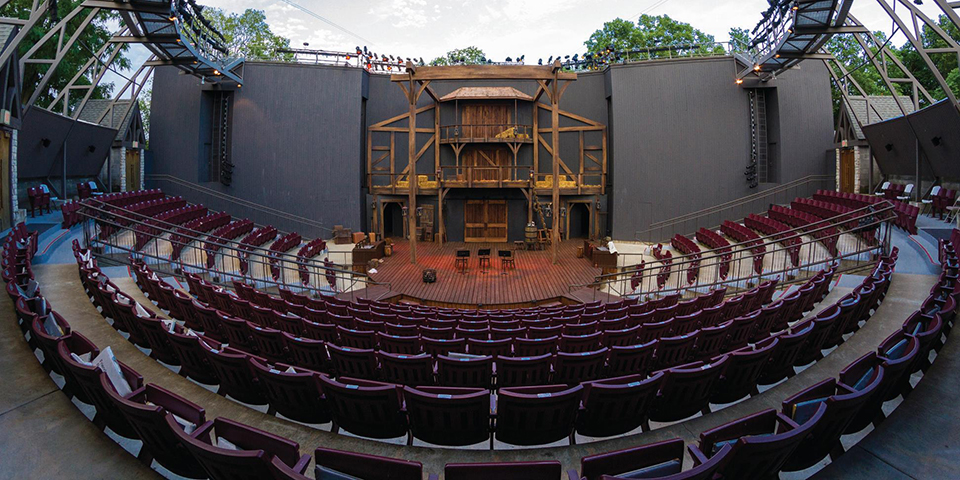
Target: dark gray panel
{"x": 940, "y": 121}
{"x": 894, "y": 146}
{"x": 33, "y": 159}
{"x": 81, "y": 162}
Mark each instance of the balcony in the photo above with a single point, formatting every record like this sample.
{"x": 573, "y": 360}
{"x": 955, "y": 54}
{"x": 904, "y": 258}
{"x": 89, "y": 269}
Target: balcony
{"x": 486, "y": 133}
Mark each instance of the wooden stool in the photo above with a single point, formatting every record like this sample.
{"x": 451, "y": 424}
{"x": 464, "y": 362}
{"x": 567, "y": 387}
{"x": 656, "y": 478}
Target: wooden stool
{"x": 506, "y": 261}
{"x": 484, "y": 255}
{"x": 519, "y": 245}
{"x": 463, "y": 256}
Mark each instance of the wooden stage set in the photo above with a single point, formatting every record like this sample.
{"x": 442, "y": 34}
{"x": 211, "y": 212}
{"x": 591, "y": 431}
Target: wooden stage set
{"x": 534, "y": 281}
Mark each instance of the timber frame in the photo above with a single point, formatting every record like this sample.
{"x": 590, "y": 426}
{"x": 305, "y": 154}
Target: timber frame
{"x": 588, "y": 176}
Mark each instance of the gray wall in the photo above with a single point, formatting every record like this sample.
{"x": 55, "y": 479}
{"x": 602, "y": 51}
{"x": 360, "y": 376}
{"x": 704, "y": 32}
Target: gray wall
{"x": 679, "y": 137}
{"x": 682, "y": 136}
{"x": 296, "y": 141}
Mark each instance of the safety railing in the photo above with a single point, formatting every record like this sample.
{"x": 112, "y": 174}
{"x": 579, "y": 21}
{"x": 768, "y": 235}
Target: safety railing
{"x": 486, "y": 176}
{"x": 850, "y": 241}
{"x": 486, "y": 132}
{"x": 113, "y": 233}
{"x": 735, "y": 209}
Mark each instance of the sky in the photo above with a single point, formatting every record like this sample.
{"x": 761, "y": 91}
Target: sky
{"x": 501, "y": 28}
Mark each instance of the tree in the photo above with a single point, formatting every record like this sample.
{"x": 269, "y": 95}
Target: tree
{"x": 89, "y": 42}
{"x": 739, "y": 40}
{"x": 652, "y": 32}
{"x": 248, "y": 35}
{"x": 946, "y": 63}
{"x": 461, "y": 56}
{"x": 144, "y": 100}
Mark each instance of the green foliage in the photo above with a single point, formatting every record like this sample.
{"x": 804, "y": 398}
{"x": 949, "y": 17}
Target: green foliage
{"x": 89, "y": 42}
{"x": 739, "y": 40}
{"x": 466, "y": 56}
{"x": 652, "y": 32}
{"x": 248, "y": 35}
{"x": 946, "y": 63}
{"x": 144, "y": 101}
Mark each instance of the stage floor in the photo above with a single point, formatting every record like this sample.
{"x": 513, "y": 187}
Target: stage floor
{"x": 535, "y": 280}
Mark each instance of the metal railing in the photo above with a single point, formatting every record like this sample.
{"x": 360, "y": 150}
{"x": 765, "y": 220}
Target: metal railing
{"x": 112, "y": 232}
{"x": 486, "y": 132}
{"x": 734, "y": 266}
{"x": 735, "y": 209}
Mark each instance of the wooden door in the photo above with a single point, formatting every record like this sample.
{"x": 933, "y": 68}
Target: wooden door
{"x": 484, "y": 120}
{"x": 848, "y": 171}
{"x": 485, "y": 221}
{"x": 133, "y": 170}
{"x": 488, "y": 158}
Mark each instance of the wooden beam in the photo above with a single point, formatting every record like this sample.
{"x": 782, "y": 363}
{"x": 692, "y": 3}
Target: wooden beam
{"x": 412, "y": 174}
{"x": 555, "y": 121}
{"x": 550, "y": 151}
{"x": 485, "y": 72}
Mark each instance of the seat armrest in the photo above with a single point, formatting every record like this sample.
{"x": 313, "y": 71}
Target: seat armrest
{"x": 175, "y": 404}
{"x": 202, "y": 432}
{"x": 785, "y": 421}
{"x": 302, "y": 464}
{"x": 697, "y": 455}
{"x": 823, "y": 389}
{"x": 764, "y": 422}
{"x": 134, "y": 379}
{"x": 573, "y": 475}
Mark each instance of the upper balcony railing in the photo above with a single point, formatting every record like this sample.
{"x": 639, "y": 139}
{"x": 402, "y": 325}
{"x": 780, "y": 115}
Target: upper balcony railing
{"x": 486, "y": 133}
{"x": 792, "y": 256}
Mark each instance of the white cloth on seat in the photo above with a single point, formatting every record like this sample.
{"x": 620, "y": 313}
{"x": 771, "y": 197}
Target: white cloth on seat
{"x": 226, "y": 444}
{"x": 82, "y": 359}
{"x": 108, "y": 364}
{"x": 141, "y": 312}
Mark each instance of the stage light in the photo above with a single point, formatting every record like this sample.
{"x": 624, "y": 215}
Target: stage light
{"x": 91, "y": 149}
{"x": 889, "y": 147}
{"x": 756, "y": 68}
{"x": 739, "y": 81}
{"x": 936, "y": 141}
{"x": 45, "y": 142}
{"x": 348, "y": 56}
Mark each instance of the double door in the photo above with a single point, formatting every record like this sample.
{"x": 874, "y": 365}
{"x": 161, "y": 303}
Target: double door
{"x": 485, "y": 221}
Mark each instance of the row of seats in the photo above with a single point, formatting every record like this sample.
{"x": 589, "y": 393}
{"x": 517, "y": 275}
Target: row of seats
{"x": 308, "y": 251}
{"x": 280, "y": 247}
{"x": 895, "y": 191}
{"x": 254, "y": 239}
{"x": 364, "y": 407}
{"x": 689, "y": 248}
{"x": 716, "y": 242}
{"x": 749, "y": 238}
{"x": 186, "y": 233}
{"x": 227, "y": 232}
{"x": 138, "y": 212}
{"x": 779, "y": 231}
{"x": 151, "y": 228}
{"x": 939, "y": 199}
{"x": 88, "y": 189}
{"x": 805, "y": 222}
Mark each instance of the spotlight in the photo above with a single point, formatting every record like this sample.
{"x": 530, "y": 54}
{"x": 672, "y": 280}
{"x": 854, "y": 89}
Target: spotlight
{"x": 889, "y": 147}
{"x": 936, "y": 141}
{"x": 45, "y": 142}
{"x": 91, "y": 149}
{"x": 739, "y": 81}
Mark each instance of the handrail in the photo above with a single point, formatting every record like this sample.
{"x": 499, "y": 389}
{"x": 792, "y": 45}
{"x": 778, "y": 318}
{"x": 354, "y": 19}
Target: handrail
{"x": 875, "y": 216}
{"x": 237, "y": 200}
{"x": 105, "y": 215}
{"x": 779, "y": 189}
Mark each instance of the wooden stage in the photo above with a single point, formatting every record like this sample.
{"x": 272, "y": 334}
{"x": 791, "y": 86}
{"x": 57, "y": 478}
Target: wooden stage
{"x": 534, "y": 281}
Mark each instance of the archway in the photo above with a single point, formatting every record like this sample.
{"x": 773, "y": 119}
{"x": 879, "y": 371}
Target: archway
{"x": 392, "y": 220}
{"x": 579, "y": 226}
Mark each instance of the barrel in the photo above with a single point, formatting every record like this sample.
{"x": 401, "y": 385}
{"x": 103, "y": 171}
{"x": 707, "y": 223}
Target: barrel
{"x": 530, "y": 234}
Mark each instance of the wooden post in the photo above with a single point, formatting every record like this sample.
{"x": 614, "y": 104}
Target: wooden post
{"x": 436, "y": 163}
{"x": 555, "y": 119}
{"x": 412, "y": 171}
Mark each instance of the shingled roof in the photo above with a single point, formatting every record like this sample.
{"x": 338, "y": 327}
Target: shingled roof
{"x": 486, "y": 93}
{"x": 120, "y": 120}
{"x": 882, "y": 107}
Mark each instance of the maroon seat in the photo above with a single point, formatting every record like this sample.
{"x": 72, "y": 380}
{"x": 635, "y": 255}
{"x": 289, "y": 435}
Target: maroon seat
{"x": 292, "y": 392}
{"x": 760, "y": 443}
{"x": 448, "y": 415}
{"x": 663, "y": 460}
{"x": 250, "y": 460}
{"x": 236, "y": 375}
{"x": 521, "y": 371}
{"x": 364, "y": 407}
{"x": 899, "y": 351}
{"x": 493, "y": 348}
{"x": 393, "y": 343}
{"x": 616, "y": 406}
{"x": 630, "y": 359}
{"x": 537, "y": 415}
{"x": 154, "y": 413}
{"x": 574, "y": 368}
{"x": 194, "y": 361}
{"x": 744, "y": 367}
{"x": 365, "y": 466}
{"x": 686, "y": 390}
{"x": 307, "y": 353}
{"x": 545, "y": 470}
{"x": 270, "y": 343}
{"x": 407, "y": 369}
{"x": 440, "y": 346}
{"x": 843, "y": 404}
{"x": 465, "y": 371}
{"x": 532, "y": 347}
{"x": 673, "y": 351}
{"x": 362, "y": 339}
{"x": 353, "y": 362}
{"x": 710, "y": 341}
